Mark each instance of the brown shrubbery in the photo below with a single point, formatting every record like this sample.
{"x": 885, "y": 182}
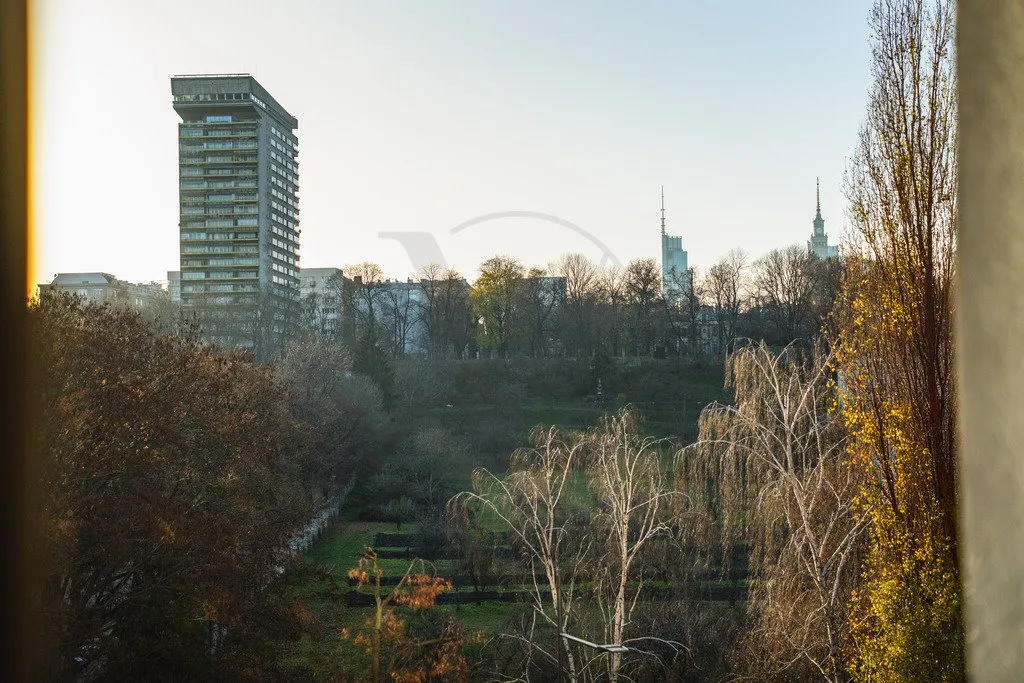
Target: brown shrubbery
{"x": 169, "y": 489}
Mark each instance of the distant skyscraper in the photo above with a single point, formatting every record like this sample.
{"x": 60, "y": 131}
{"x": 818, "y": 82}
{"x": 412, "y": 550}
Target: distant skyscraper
{"x": 675, "y": 273}
{"x": 818, "y": 244}
{"x": 239, "y": 210}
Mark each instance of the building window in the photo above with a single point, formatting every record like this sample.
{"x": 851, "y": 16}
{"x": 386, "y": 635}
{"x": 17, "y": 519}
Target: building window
{"x": 219, "y": 118}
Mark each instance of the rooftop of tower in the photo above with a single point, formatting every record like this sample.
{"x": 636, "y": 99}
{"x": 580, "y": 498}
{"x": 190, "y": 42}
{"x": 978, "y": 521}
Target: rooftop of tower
{"x": 193, "y": 91}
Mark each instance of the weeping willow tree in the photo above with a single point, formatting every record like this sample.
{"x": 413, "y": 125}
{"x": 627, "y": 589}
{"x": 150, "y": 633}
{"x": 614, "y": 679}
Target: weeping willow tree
{"x": 770, "y": 470}
{"x": 895, "y": 349}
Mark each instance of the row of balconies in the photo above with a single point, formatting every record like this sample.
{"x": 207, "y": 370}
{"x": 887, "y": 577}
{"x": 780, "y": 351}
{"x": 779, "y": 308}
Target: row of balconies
{"x": 204, "y": 276}
{"x": 204, "y": 161}
{"x": 201, "y": 250}
{"x": 193, "y": 223}
{"x": 202, "y": 288}
{"x": 216, "y": 232}
{"x": 197, "y": 186}
{"x": 220, "y": 239}
{"x": 202, "y": 214}
{"x": 188, "y": 197}
{"x": 229, "y": 154}
{"x": 215, "y": 146}
{"x": 216, "y": 156}
{"x": 205, "y": 173}
{"x": 244, "y": 132}
{"x": 191, "y": 185}
{"x": 235, "y": 262}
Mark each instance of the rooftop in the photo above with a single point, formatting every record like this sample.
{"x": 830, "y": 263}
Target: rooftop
{"x": 187, "y": 88}
{"x": 84, "y": 279}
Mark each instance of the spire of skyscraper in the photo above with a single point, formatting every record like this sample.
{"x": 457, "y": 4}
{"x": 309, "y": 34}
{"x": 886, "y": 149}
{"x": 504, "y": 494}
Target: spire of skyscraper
{"x": 817, "y": 189}
{"x": 819, "y": 222}
{"x": 662, "y": 209}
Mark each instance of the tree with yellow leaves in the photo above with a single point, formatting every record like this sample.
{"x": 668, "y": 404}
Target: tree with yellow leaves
{"x": 412, "y": 660}
{"x": 895, "y": 349}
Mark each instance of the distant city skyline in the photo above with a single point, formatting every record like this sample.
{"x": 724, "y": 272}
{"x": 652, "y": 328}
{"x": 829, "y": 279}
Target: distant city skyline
{"x": 422, "y": 118}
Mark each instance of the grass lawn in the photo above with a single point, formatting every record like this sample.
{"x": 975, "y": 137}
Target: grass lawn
{"x": 341, "y": 545}
{"x": 487, "y": 618}
{"x": 320, "y": 584}
{"x": 575, "y": 413}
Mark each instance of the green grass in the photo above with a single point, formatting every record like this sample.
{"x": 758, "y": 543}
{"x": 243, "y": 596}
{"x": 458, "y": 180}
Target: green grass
{"x": 320, "y": 584}
{"x": 575, "y": 413}
{"x": 674, "y": 399}
{"x": 341, "y": 546}
{"x": 488, "y": 618}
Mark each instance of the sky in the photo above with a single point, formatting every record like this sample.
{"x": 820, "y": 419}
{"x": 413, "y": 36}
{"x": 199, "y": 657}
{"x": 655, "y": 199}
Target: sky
{"x": 421, "y": 117}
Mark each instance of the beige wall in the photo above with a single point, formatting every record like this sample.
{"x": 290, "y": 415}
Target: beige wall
{"x": 991, "y": 332}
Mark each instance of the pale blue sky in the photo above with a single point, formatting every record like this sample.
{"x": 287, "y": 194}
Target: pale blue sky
{"x": 423, "y": 115}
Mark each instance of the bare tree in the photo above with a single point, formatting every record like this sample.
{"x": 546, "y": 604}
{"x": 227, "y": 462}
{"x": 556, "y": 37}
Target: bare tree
{"x": 399, "y": 315}
{"x": 538, "y": 300}
{"x": 444, "y": 311}
{"x": 777, "y": 457}
{"x": 366, "y": 271}
{"x": 534, "y": 502}
{"x": 783, "y": 285}
{"x": 643, "y": 293}
{"x": 724, "y": 285}
{"x": 580, "y": 275}
{"x": 363, "y": 327}
{"x": 827, "y": 277}
{"x": 579, "y": 313}
{"x": 683, "y": 310}
{"x": 365, "y": 285}
{"x": 547, "y": 510}
{"x": 625, "y": 473}
{"x": 612, "y": 310}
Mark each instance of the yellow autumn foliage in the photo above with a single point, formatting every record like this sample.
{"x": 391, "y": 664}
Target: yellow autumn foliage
{"x": 906, "y": 616}
{"x": 894, "y": 351}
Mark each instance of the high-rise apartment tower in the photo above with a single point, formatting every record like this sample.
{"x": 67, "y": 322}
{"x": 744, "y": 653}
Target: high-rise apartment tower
{"x": 239, "y": 210}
